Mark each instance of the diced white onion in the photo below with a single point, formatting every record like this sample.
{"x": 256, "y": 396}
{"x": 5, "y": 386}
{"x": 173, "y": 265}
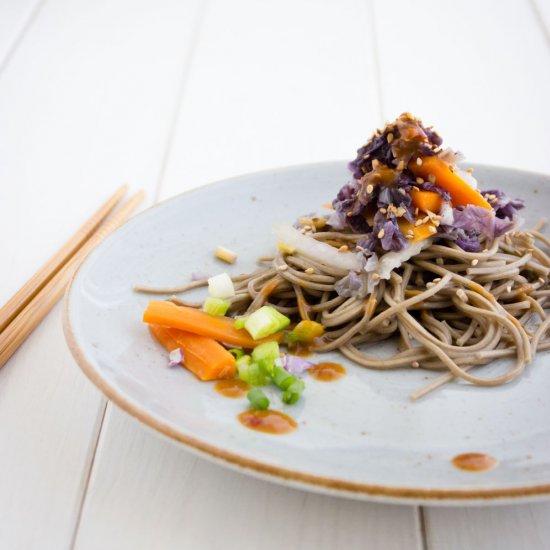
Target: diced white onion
{"x": 321, "y": 252}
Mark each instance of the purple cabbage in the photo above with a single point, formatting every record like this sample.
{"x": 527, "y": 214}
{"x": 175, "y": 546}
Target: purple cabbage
{"x": 295, "y": 364}
{"x": 352, "y": 284}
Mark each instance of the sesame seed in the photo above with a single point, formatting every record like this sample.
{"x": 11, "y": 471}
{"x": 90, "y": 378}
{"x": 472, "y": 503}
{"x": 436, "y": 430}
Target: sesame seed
{"x": 426, "y": 219}
{"x": 430, "y": 285}
{"x": 418, "y": 222}
{"x": 401, "y": 165}
{"x": 416, "y": 212}
{"x": 509, "y": 289}
{"x": 470, "y": 170}
{"x": 541, "y": 280}
{"x": 360, "y": 248}
{"x": 383, "y": 210}
{"x": 475, "y": 261}
{"x": 370, "y": 188}
{"x": 437, "y": 279}
{"x": 375, "y": 163}
{"x": 485, "y": 250}
{"x": 402, "y": 191}
{"x": 283, "y": 267}
{"x": 431, "y": 178}
{"x": 415, "y": 364}
{"x": 409, "y": 236}
{"x": 419, "y": 180}
{"x": 461, "y": 295}
{"x": 310, "y": 270}
{"x": 390, "y": 137}
{"x": 432, "y": 229}
{"x": 375, "y": 276}
{"x": 380, "y": 233}
{"x": 343, "y": 248}
{"x": 419, "y": 161}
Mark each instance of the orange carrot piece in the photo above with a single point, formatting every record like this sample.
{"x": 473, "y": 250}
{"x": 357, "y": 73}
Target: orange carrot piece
{"x": 426, "y": 200}
{"x": 420, "y": 232}
{"x": 461, "y": 193}
{"x": 204, "y": 357}
{"x": 219, "y": 328}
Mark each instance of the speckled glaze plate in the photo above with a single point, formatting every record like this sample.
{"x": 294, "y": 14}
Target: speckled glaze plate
{"x": 359, "y": 437}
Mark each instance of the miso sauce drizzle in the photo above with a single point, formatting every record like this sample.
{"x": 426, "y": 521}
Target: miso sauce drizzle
{"x": 327, "y": 372}
{"x": 270, "y": 422}
{"x": 474, "y": 462}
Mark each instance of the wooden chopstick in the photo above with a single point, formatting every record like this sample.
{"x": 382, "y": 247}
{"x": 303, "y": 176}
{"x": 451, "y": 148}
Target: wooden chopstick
{"x": 31, "y": 315}
{"x": 30, "y": 289}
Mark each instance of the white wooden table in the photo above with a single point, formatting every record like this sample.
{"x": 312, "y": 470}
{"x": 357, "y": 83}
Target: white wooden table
{"x": 169, "y": 95}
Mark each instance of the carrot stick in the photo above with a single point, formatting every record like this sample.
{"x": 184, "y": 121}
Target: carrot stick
{"x": 461, "y": 193}
{"x": 219, "y": 328}
{"x": 426, "y": 200}
{"x": 204, "y": 357}
{"x": 420, "y": 232}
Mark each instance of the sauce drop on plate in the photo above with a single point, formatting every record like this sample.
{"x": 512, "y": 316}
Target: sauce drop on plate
{"x": 232, "y": 388}
{"x": 327, "y": 372}
{"x": 474, "y": 462}
{"x": 269, "y": 422}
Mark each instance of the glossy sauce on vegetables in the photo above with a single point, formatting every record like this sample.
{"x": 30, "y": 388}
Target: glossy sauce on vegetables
{"x": 232, "y": 388}
{"x": 474, "y": 462}
{"x": 269, "y": 422}
{"x": 327, "y": 372}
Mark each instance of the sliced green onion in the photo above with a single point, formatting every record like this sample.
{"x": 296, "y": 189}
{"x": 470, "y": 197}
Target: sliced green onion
{"x": 306, "y": 331}
{"x": 240, "y": 321}
{"x": 237, "y": 353}
{"x": 258, "y": 399}
{"x": 282, "y": 378}
{"x": 243, "y": 367}
{"x": 265, "y": 322}
{"x": 257, "y": 375}
{"x": 215, "y": 306}
{"x": 221, "y": 286}
{"x": 293, "y": 392}
{"x": 265, "y": 355}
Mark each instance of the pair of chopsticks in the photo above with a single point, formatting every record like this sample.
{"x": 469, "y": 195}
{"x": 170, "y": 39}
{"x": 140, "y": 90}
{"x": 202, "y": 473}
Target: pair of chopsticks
{"x": 29, "y": 305}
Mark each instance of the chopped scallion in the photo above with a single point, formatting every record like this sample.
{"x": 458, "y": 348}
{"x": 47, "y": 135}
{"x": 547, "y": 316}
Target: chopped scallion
{"x": 237, "y": 353}
{"x": 306, "y": 331}
{"x": 265, "y": 355}
{"x": 240, "y": 321}
{"x": 265, "y": 322}
{"x": 221, "y": 286}
{"x": 216, "y": 306}
{"x": 293, "y": 392}
{"x": 258, "y": 399}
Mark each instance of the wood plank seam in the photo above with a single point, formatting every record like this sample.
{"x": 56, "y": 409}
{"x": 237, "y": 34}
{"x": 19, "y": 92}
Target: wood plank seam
{"x": 164, "y": 161}
{"x": 186, "y": 71}
{"x": 88, "y": 475}
{"x": 375, "y": 42}
{"x": 540, "y": 20}
{"x": 20, "y": 34}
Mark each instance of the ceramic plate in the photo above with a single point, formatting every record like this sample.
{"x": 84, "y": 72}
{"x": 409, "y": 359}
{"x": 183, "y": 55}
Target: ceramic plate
{"x": 360, "y": 436}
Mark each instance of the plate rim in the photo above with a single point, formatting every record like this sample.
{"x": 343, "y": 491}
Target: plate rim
{"x": 298, "y": 478}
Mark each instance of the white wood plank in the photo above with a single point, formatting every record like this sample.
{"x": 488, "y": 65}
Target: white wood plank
{"x": 468, "y": 69}
{"x": 85, "y": 104}
{"x": 16, "y": 17}
{"x": 504, "y": 527}
{"x": 147, "y": 493}
{"x": 479, "y": 81}
{"x": 275, "y": 83}
{"x": 542, "y": 11}
{"x": 269, "y": 84}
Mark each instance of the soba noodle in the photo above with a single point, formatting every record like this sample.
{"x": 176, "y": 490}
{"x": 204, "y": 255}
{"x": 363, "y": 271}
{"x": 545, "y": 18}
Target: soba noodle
{"x": 448, "y": 310}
